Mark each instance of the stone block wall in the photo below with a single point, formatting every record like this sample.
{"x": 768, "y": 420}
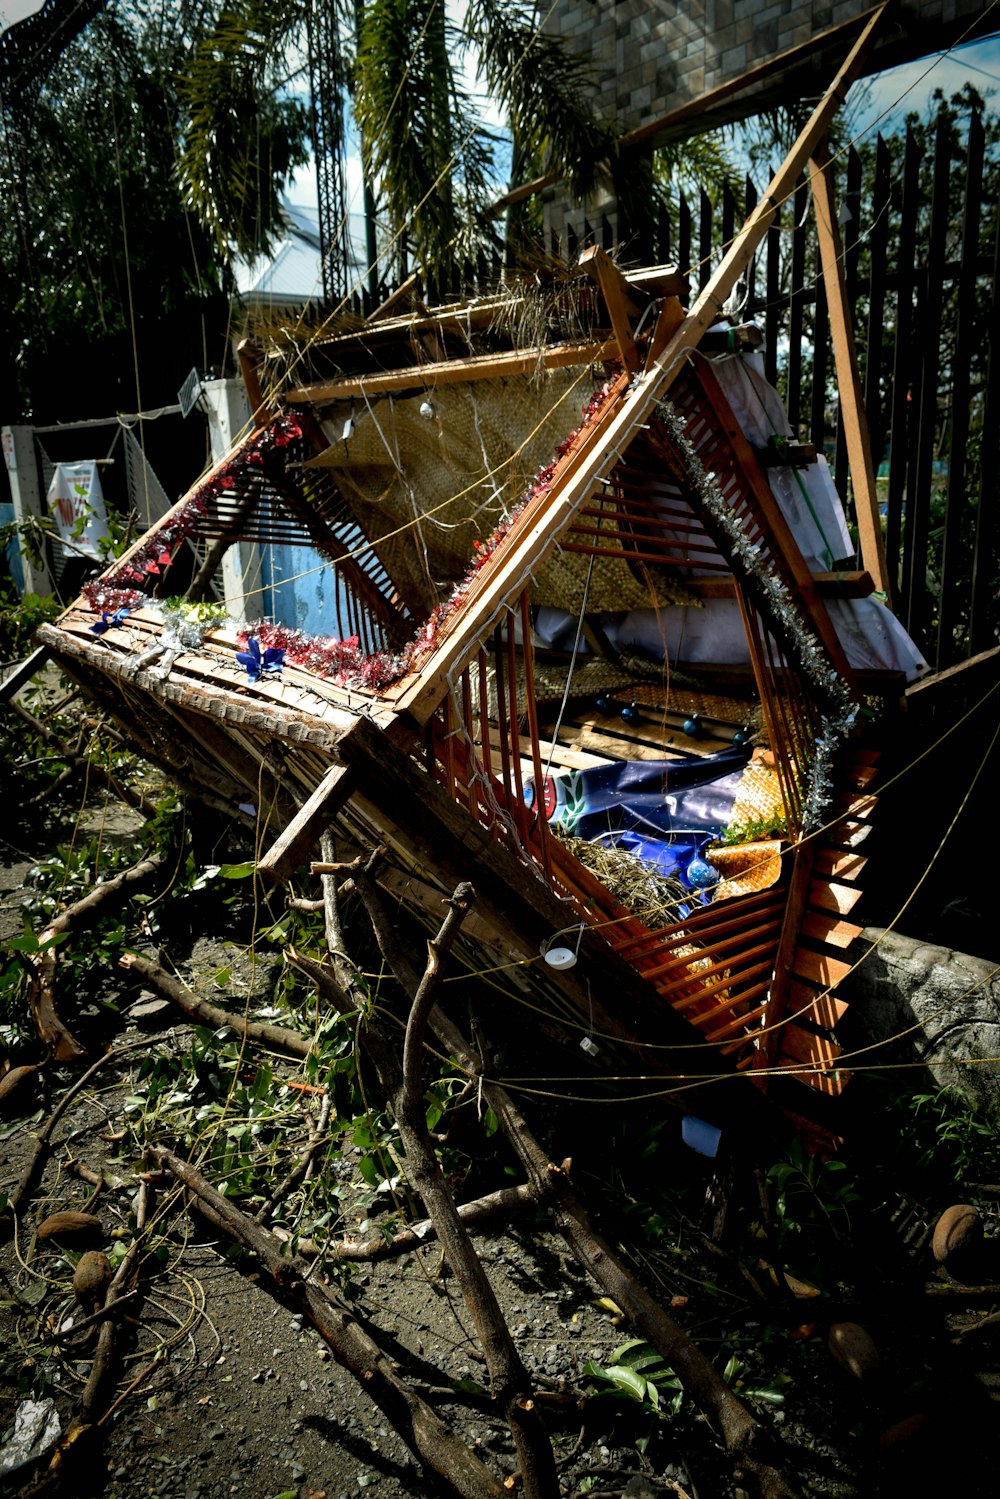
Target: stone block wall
{"x": 650, "y": 56}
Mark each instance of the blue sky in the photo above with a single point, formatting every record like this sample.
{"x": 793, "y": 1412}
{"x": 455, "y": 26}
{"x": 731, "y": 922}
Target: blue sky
{"x": 893, "y": 95}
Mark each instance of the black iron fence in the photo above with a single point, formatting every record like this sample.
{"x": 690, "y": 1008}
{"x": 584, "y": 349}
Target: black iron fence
{"x": 921, "y": 260}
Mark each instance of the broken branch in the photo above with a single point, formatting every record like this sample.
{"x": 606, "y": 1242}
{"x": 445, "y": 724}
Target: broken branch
{"x": 44, "y": 1133}
{"x": 427, "y": 1436}
{"x": 742, "y": 1435}
{"x": 205, "y": 1013}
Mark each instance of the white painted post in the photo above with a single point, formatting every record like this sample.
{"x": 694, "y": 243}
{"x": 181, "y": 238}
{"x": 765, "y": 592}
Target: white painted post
{"x": 26, "y": 493}
{"x": 229, "y": 413}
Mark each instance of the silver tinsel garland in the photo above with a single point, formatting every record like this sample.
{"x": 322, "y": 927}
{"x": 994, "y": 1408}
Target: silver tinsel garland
{"x": 838, "y": 711}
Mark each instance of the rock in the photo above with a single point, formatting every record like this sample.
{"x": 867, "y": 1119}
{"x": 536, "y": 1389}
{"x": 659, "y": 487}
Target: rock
{"x": 953, "y": 997}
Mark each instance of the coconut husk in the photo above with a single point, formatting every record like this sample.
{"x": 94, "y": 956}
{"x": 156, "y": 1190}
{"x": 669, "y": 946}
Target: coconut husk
{"x": 652, "y": 897}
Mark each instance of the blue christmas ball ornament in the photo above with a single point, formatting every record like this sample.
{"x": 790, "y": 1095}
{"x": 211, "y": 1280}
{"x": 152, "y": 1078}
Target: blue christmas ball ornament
{"x": 604, "y": 704}
{"x": 631, "y": 713}
{"x": 701, "y": 875}
{"x": 740, "y": 737}
{"x": 691, "y": 727}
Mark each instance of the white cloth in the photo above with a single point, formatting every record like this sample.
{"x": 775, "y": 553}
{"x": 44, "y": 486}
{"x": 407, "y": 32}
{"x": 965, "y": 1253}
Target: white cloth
{"x": 872, "y": 637}
{"x": 76, "y": 504}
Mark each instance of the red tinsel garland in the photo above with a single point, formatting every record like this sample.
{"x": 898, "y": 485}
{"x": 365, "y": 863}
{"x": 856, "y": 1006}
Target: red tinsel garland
{"x": 342, "y": 661}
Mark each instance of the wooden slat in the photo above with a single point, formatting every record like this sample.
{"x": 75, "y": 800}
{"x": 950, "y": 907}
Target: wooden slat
{"x": 822, "y": 1009}
{"x": 23, "y": 673}
{"x": 829, "y": 895}
{"x": 855, "y": 808}
{"x": 819, "y": 968}
{"x": 838, "y": 864}
{"x": 852, "y": 410}
{"x": 726, "y": 1007}
{"x": 807, "y": 1046}
{"x": 830, "y": 1083}
{"x": 303, "y": 832}
{"x": 618, "y": 298}
{"x": 822, "y": 928}
{"x": 742, "y": 966}
{"x": 450, "y": 372}
{"x": 847, "y": 834}
{"x": 743, "y": 911}
{"x": 741, "y": 1023}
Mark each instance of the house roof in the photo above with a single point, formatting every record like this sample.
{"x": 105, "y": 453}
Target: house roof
{"x": 292, "y": 276}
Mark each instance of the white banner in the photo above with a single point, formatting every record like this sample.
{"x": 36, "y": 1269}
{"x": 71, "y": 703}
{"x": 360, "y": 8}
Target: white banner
{"x": 76, "y": 504}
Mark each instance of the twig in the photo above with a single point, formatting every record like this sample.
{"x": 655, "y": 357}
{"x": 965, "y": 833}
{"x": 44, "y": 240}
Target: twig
{"x": 203, "y": 1011}
{"x": 101, "y": 1315}
{"x": 42, "y": 1135}
{"x": 317, "y": 1132}
{"x": 42, "y": 981}
{"x": 78, "y": 764}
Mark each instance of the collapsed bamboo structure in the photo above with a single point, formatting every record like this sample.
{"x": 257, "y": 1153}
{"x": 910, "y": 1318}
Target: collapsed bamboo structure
{"x": 461, "y": 712}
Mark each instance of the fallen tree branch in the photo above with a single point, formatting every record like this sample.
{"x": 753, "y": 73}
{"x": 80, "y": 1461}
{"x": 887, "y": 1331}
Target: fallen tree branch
{"x": 317, "y": 1134}
{"x": 404, "y": 1088}
{"x": 479, "y": 1213}
{"x": 205, "y": 1013}
{"x": 741, "y": 1434}
{"x": 43, "y": 1134}
{"x": 424, "y": 1433}
{"x": 511, "y": 1385}
{"x": 78, "y": 764}
{"x": 100, "y": 1369}
{"x": 42, "y": 977}
{"x": 101, "y": 894}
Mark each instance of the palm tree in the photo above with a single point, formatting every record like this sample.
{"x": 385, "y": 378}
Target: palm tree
{"x": 433, "y": 163}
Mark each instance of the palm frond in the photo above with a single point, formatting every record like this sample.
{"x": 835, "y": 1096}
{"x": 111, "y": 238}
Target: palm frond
{"x": 242, "y": 138}
{"x": 546, "y": 90}
{"x": 421, "y": 140}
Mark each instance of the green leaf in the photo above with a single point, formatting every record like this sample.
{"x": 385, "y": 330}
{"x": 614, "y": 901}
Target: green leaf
{"x": 629, "y": 1382}
{"x": 369, "y": 1171}
{"x": 767, "y": 1393}
{"x": 237, "y": 871}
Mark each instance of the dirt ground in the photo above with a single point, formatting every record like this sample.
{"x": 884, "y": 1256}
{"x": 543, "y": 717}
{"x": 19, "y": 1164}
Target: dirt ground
{"x": 234, "y": 1391}
{"x": 223, "y": 1388}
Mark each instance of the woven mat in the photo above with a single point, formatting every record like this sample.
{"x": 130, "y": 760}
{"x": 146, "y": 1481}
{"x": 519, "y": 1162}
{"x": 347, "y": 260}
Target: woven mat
{"x": 745, "y": 868}
{"x": 758, "y": 797}
{"x": 561, "y": 581}
{"x": 589, "y": 679}
{"x": 694, "y": 704}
